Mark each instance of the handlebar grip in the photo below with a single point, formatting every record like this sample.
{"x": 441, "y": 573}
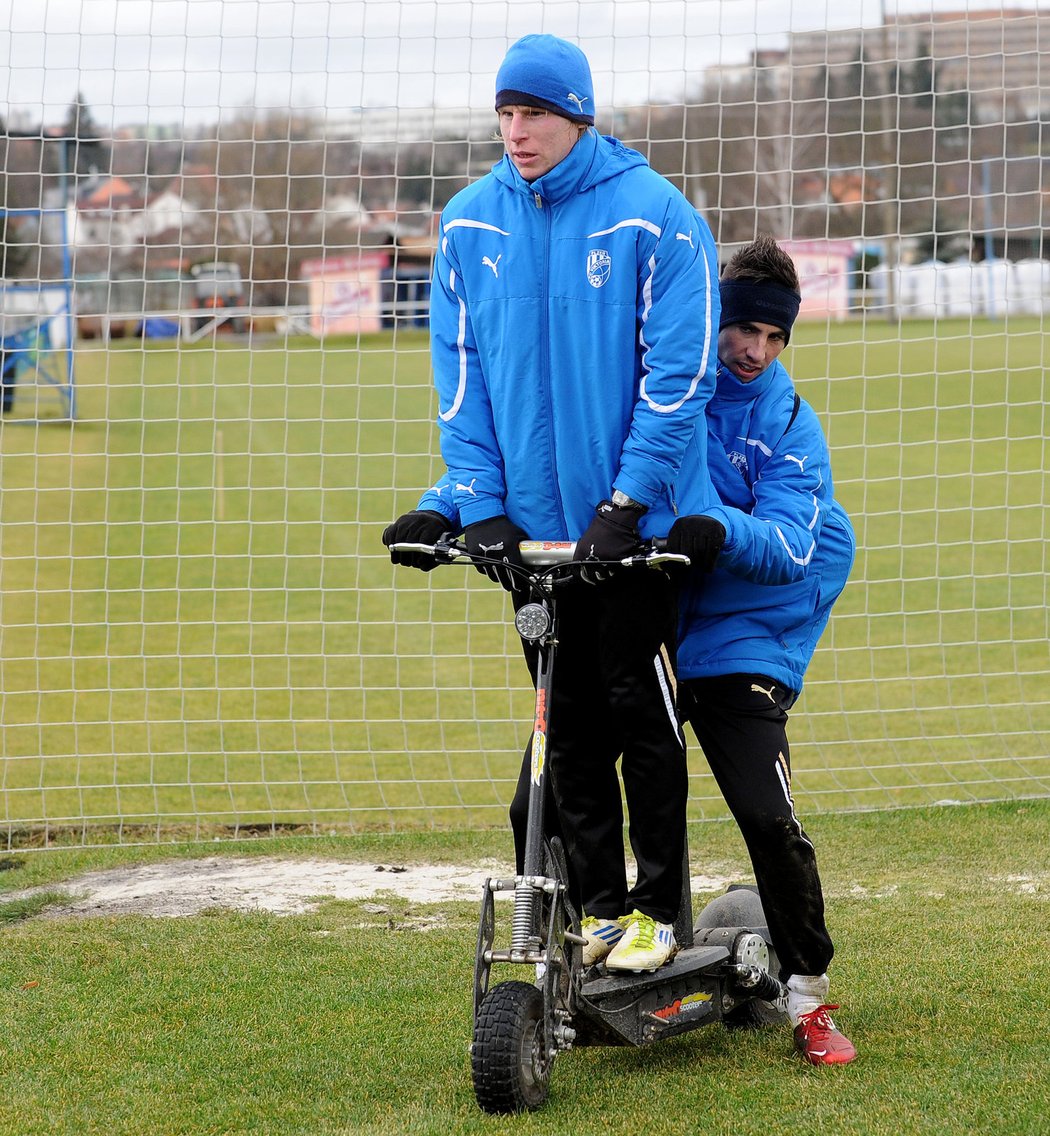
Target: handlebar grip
{"x": 441, "y": 550}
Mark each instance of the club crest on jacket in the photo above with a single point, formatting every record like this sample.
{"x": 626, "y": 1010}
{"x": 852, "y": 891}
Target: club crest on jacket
{"x": 599, "y": 265}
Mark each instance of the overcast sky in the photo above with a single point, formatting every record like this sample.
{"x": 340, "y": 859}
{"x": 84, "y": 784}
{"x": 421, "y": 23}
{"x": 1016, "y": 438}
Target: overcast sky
{"x": 173, "y": 61}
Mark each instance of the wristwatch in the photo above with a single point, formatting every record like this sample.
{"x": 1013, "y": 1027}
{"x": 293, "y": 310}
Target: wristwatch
{"x": 622, "y": 501}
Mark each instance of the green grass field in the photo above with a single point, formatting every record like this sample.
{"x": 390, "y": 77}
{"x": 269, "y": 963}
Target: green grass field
{"x": 354, "y": 1020}
{"x": 200, "y": 629}
{"x": 201, "y": 633}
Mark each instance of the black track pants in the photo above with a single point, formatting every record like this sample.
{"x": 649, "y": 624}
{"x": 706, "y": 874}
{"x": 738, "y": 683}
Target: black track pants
{"x": 614, "y": 694}
{"x": 740, "y": 721}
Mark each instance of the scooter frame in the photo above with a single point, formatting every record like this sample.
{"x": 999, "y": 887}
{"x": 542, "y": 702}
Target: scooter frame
{"x": 725, "y": 966}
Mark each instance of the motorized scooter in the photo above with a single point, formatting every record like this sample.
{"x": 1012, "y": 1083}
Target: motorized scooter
{"x": 724, "y": 971}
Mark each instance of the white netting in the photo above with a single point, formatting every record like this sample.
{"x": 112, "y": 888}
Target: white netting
{"x": 200, "y": 629}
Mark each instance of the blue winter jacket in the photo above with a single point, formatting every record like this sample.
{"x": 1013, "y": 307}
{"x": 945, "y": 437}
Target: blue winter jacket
{"x": 789, "y": 544}
{"x": 573, "y": 323}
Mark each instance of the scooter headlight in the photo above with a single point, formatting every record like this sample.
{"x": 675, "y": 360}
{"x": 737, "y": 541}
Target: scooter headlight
{"x": 532, "y": 621}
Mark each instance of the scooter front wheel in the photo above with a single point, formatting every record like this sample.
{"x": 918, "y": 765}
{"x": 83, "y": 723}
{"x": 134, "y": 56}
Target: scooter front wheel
{"x": 509, "y": 1060}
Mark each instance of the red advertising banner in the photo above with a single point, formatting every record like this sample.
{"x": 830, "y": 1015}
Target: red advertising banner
{"x": 345, "y": 293}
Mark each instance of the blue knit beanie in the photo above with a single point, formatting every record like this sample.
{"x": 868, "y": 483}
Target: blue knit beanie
{"x": 550, "y": 73}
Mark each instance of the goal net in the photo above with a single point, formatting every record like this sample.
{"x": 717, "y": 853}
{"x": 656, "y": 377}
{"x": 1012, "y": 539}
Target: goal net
{"x": 202, "y": 635}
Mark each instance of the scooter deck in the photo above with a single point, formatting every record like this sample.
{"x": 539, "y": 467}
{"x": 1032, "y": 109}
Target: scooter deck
{"x": 687, "y": 962}
{"x": 637, "y": 1009}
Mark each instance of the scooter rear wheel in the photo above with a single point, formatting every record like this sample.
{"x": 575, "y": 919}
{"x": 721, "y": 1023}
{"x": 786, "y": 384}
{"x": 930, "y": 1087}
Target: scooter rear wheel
{"x": 509, "y": 1062}
{"x": 741, "y": 907}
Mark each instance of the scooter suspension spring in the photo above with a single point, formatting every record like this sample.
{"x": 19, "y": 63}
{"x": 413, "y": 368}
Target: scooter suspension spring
{"x": 522, "y": 923}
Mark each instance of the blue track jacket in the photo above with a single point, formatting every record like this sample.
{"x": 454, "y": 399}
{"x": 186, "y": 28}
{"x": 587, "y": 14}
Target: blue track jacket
{"x": 789, "y": 544}
{"x": 573, "y": 323}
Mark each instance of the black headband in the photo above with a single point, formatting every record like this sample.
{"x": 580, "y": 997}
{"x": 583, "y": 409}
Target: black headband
{"x": 754, "y": 301}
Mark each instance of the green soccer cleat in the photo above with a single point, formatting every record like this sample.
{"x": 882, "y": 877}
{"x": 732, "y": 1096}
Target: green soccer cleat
{"x": 646, "y": 944}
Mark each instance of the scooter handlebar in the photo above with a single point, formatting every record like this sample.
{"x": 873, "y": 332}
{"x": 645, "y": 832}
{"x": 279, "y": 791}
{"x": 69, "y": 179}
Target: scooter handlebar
{"x": 546, "y": 553}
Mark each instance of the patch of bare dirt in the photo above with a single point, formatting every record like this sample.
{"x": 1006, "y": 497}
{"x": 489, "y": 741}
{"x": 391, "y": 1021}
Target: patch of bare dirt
{"x": 285, "y": 887}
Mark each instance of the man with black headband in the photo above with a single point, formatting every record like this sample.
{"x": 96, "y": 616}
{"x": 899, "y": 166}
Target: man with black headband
{"x": 785, "y": 547}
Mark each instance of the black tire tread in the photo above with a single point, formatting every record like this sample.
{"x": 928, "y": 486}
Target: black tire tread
{"x": 507, "y": 1018}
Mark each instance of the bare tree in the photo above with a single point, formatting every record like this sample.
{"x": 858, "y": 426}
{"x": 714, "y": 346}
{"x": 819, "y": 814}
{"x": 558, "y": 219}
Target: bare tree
{"x": 270, "y": 198}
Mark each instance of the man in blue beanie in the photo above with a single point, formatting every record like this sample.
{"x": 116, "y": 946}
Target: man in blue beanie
{"x": 573, "y": 316}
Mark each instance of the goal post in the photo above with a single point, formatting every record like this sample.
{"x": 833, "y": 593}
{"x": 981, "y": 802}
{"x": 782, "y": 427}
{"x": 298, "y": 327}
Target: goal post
{"x": 37, "y": 328}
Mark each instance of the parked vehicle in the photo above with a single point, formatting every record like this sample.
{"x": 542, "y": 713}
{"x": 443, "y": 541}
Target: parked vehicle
{"x": 217, "y": 285}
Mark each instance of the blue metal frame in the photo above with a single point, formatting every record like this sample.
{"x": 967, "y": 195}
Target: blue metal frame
{"x": 63, "y": 383}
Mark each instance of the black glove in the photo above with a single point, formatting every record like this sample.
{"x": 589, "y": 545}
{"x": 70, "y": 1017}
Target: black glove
{"x": 698, "y": 537}
{"x": 498, "y": 537}
{"x": 612, "y": 535}
{"x": 421, "y": 526}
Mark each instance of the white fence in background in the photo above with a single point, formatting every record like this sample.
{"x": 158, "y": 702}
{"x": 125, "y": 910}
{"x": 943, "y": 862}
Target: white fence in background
{"x": 962, "y": 289}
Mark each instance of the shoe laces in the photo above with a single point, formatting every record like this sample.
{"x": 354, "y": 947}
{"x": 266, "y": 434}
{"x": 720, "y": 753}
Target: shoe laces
{"x": 818, "y": 1020}
{"x": 646, "y": 925}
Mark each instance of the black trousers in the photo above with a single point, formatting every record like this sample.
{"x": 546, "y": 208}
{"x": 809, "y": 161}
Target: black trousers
{"x": 740, "y": 721}
{"x": 615, "y": 696}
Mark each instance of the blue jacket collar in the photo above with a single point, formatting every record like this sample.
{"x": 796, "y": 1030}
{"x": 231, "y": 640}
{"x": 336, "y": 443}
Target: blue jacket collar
{"x": 593, "y": 159}
{"x": 730, "y": 388}
{"x": 563, "y": 181}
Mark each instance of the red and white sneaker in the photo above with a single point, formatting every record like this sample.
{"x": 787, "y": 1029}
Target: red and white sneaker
{"x": 819, "y": 1042}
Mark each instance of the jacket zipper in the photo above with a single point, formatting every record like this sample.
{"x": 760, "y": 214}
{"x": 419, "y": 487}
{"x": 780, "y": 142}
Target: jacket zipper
{"x": 547, "y": 360}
